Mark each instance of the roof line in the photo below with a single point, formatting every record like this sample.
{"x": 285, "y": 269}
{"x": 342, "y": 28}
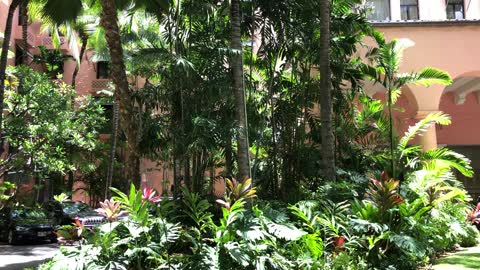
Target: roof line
{"x": 425, "y": 23}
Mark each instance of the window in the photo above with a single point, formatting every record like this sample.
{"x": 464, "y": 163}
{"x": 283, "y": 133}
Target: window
{"x": 379, "y": 10}
{"x": 107, "y": 107}
{"x": 20, "y": 56}
{"x": 409, "y": 9}
{"x": 103, "y": 70}
{"x": 455, "y": 9}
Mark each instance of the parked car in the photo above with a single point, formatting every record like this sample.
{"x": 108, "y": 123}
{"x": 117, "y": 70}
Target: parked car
{"x": 66, "y": 212}
{"x": 24, "y": 224}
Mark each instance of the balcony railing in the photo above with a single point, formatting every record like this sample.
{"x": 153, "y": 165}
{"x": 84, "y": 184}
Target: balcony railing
{"x": 30, "y": 36}
{"x": 100, "y": 84}
{"x": 45, "y": 40}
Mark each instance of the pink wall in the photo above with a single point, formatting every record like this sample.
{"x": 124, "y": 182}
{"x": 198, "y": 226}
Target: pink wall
{"x": 451, "y": 48}
{"x": 465, "y": 127}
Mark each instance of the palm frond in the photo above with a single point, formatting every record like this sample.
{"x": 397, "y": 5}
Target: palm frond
{"x": 422, "y": 126}
{"x": 426, "y": 77}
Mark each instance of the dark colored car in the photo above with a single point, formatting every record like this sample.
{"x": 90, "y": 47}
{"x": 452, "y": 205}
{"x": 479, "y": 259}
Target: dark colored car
{"x": 23, "y": 224}
{"x": 66, "y": 212}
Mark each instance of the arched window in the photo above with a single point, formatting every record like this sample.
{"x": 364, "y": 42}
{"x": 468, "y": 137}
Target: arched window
{"x": 379, "y": 10}
{"x": 409, "y": 9}
{"x": 455, "y": 9}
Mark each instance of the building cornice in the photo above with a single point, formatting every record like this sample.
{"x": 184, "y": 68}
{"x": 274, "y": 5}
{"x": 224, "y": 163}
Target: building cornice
{"x": 420, "y": 23}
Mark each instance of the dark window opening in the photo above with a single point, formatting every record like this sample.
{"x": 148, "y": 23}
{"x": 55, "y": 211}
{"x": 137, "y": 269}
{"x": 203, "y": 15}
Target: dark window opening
{"x": 107, "y": 126}
{"x": 103, "y": 70}
{"x": 20, "y": 56}
{"x": 409, "y": 9}
{"x": 20, "y": 17}
{"x": 455, "y": 10}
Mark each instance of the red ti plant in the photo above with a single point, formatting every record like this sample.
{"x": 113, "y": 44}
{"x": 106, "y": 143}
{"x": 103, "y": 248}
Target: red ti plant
{"x": 68, "y": 234}
{"x": 111, "y": 210}
{"x": 338, "y": 244}
{"x": 237, "y": 190}
{"x": 149, "y": 195}
{"x": 474, "y": 216}
{"x": 383, "y": 193}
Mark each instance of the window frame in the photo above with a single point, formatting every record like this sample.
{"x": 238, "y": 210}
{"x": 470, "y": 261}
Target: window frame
{"x": 389, "y": 13}
{"x": 455, "y": 5}
{"x": 408, "y": 11}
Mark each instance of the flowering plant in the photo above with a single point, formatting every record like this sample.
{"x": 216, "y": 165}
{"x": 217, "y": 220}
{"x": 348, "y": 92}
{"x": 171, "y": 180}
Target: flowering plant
{"x": 149, "y": 195}
{"x": 111, "y": 210}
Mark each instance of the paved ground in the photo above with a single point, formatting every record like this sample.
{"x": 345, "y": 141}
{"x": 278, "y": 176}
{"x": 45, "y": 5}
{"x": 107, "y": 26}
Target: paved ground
{"x": 466, "y": 259}
{"x": 21, "y": 256}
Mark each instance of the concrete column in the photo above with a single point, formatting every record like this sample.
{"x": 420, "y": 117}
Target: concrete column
{"x": 427, "y": 139}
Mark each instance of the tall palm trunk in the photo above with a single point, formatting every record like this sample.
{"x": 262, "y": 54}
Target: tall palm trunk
{"x": 71, "y": 174}
{"x": 3, "y": 58}
{"x": 24, "y": 20}
{"x": 109, "y": 22}
{"x": 84, "y": 38}
{"x": 239, "y": 92}
{"x": 328, "y": 141}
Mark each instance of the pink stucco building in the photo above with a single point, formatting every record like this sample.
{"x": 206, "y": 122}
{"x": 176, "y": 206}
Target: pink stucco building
{"x": 446, "y": 34}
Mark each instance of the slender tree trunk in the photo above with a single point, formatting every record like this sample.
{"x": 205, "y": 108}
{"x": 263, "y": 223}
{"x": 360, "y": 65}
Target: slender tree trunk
{"x": 113, "y": 147}
{"x": 4, "y": 57}
{"x": 328, "y": 143}
{"x": 186, "y": 173}
{"x": 82, "y": 53}
{"x": 390, "y": 129}
{"x": 239, "y": 93}
{"x": 229, "y": 156}
{"x": 71, "y": 175}
{"x": 24, "y": 19}
{"x": 176, "y": 176}
{"x": 109, "y": 22}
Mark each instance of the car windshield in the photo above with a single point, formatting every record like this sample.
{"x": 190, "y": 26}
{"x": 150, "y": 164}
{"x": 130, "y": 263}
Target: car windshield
{"x": 28, "y": 213}
{"x": 75, "y": 207}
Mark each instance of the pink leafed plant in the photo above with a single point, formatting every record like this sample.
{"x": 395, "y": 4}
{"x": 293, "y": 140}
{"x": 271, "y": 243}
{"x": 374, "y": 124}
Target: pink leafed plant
{"x": 111, "y": 210}
{"x": 149, "y": 195}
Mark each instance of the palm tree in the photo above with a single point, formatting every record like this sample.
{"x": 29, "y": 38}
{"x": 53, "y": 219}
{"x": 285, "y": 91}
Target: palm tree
{"x": 4, "y": 55}
{"x": 24, "y": 20}
{"x": 239, "y": 92}
{"x": 109, "y": 21}
{"x": 82, "y": 26}
{"x": 328, "y": 140}
{"x": 387, "y": 58}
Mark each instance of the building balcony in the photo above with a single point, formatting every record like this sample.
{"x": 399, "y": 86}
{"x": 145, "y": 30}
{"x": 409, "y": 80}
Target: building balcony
{"x": 31, "y": 37}
{"x": 46, "y": 40}
{"x": 100, "y": 84}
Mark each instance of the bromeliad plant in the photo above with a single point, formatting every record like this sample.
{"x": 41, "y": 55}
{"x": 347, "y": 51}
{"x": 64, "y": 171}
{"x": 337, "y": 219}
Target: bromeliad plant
{"x": 383, "y": 193}
{"x": 111, "y": 210}
{"x": 237, "y": 191}
{"x": 149, "y": 195}
{"x": 473, "y": 216}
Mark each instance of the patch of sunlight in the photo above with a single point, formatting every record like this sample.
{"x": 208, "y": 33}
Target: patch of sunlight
{"x": 468, "y": 259}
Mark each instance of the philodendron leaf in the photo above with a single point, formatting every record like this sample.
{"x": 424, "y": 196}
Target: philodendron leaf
{"x": 237, "y": 254}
